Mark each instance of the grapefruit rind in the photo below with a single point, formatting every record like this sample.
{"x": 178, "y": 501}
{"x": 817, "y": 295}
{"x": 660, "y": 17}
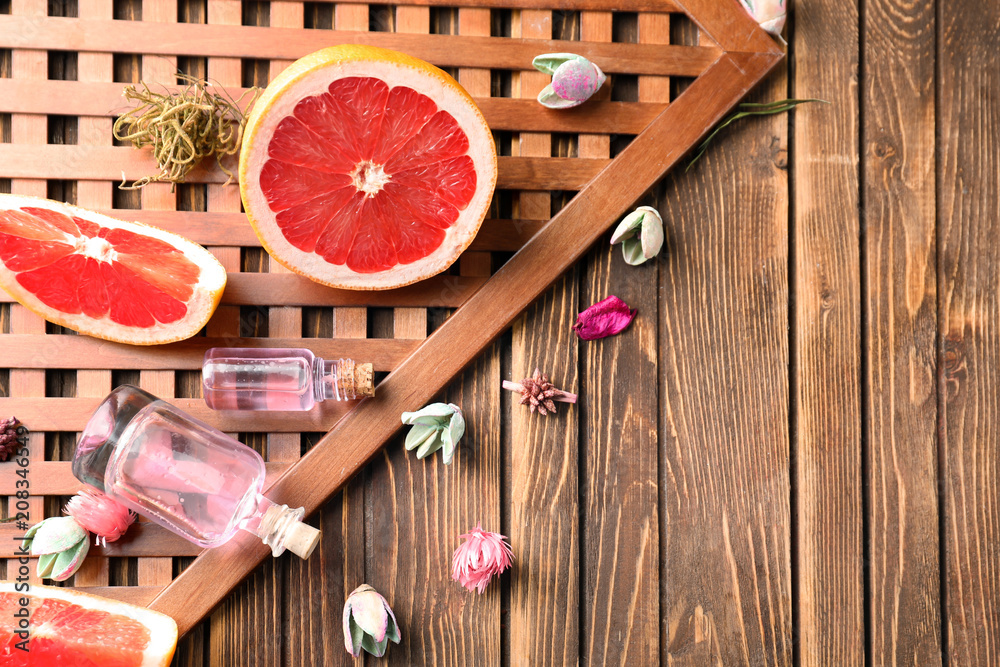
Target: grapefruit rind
{"x": 162, "y": 628}
{"x": 207, "y": 292}
{"x": 312, "y": 75}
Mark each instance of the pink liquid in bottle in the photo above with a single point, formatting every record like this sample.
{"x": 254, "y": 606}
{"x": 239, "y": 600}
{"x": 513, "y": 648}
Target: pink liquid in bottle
{"x": 183, "y": 474}
{"x": 236, "y": 378}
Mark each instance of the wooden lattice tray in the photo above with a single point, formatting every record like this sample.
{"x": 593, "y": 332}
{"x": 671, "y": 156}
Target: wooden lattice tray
{"x": 63, "y": 65}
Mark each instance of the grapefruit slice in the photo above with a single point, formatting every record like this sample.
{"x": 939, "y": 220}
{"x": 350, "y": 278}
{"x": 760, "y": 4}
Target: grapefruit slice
{"x": 116, "y": 280}
{"x": 364, "y": 168}
{"x": 67, "y": 628}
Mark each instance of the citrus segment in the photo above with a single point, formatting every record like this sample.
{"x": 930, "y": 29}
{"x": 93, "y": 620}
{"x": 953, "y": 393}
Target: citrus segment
{"x": 104, "y": 277}
{"x": 67, "y": 628}
{"x": 366, "y": 168}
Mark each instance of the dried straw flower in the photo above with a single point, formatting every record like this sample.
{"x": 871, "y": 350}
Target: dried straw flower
{"x": 182, "y": 128}
{"x": 481, "y": 555}
{"x": 100, "y": 514}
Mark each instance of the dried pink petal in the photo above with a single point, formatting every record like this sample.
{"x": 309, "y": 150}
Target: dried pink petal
{"x": 481, "y": 556}
{"x": 604, "y": 318}
{"x": 100, "y": 514}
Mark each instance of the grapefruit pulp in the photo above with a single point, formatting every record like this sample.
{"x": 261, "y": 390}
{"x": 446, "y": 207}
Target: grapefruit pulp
{"x": 364, "y": 168}
{"x": 117, "y": 280}
{"x": 67, "y": 628}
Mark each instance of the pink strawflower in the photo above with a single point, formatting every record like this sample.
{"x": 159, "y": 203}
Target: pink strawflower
{"x": 482, "y": 555}
{"x": 100, "y": 514}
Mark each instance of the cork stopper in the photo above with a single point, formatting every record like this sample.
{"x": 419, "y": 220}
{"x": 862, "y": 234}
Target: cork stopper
{"x": 356, "y": 380}
{"x": 301, "y": 539}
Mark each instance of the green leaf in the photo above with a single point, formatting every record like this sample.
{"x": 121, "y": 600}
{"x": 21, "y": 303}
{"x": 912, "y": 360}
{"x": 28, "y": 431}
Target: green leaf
{"x": 392, "y": 632}
{"x": 628, "y": 227}
{"x": 418, "y": 435}
{"x": 377, "y": 649}
{"x": 432, "y": 410}
{"x": 430, "y": 446}
{"x": 632, "y": 252}
{"x": 45, "y": 564}
{"x": 753, "y": 109}
{"x": 357, "y": 635}
{"x": 548, "y": 63}
{"x": 548, "y": 98}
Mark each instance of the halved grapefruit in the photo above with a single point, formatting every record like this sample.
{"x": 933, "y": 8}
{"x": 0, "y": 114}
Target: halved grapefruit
{"x": 67, "y": 628}
{"x": 365, "y": 168}
{"x": 117, "y": 280}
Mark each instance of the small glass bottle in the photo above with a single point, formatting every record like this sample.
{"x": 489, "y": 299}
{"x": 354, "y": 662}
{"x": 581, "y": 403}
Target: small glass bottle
{"x": 183, "y": 474}
{"x": 245, "y": 378}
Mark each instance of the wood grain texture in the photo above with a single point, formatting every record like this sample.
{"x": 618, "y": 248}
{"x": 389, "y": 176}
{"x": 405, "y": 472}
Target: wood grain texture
{"x": 104, "y": 100}
{"x": 543, "y": 500}
{"x": 900, "y": 302}
{"x": 282, "y": 43}
{"x": 618, "y": 444}
{"x": 248, "y": 289}
{"x": 724, "y": 358}
{"x": 30, "y": 130}
{"x": 826, "y": 381}
{"x": 968, "y": 272}
{"x": 84, "y": 352}
{"x": 109, "y": 163}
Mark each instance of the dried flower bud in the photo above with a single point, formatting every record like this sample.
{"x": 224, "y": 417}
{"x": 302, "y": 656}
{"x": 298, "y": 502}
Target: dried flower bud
{"x": 769, "y": 14}
{"x": 369, "y": 623}
{"x": 8, "y": 437}
{"x": 604, "y": 318}
{"x": 60, "y": 543}
{"x": 100, "y": 514}
{"x": 481, "y": 555}
{"x": 436, "y": 426}
{"x": 574, "y": 79}
{"x": 641, "y": 235}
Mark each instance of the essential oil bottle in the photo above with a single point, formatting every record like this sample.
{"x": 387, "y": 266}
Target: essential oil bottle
{"x": 243, "y": 378}
{"x": 183, "y": 474}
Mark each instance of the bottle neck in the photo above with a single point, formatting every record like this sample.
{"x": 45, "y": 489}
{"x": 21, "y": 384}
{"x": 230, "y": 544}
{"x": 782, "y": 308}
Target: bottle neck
{"x": 280, "y": 527}
{"x": 333, "y": 379}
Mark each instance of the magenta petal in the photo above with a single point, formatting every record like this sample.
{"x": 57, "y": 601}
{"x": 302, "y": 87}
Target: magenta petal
{"x": 604, "y": 318}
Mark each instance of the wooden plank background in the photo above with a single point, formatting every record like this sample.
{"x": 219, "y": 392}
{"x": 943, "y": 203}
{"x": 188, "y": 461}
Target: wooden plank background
{"x": 789, "y": 458}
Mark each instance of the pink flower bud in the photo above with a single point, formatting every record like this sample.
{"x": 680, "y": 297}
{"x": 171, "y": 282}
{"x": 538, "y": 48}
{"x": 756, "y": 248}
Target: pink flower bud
{"x": 369, "y": 623}
{"x": 101, "y": 515}
{"x": 769, "y": 14}
{"x": 482, "y": 555}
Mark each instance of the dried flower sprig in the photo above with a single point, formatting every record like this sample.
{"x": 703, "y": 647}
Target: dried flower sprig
{"x": 9, "y": 433}
{"x": 539, "y": 394}
{"x": 749, "y": 109}
{"x": 182, "y": 128}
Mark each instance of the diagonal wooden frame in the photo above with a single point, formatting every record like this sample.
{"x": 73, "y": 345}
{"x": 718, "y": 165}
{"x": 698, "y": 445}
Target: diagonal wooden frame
{"x": 747, "y": 55}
